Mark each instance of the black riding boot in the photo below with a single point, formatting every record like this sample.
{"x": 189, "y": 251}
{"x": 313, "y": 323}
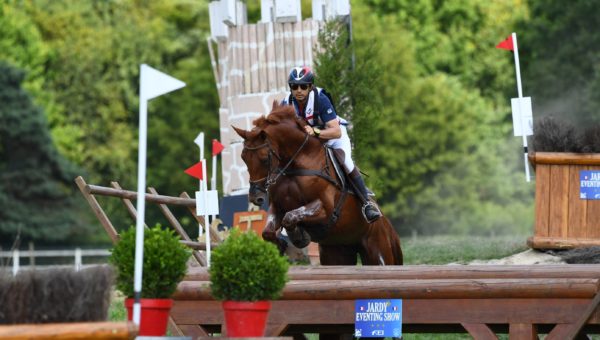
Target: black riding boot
{"x": 370, "y": 211}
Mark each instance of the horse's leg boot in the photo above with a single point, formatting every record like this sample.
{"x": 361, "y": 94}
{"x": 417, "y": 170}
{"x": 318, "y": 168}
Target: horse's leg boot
{"x": 369, "y": 209}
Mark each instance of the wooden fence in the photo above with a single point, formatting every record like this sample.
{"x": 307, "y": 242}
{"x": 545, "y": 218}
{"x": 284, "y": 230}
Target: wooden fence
{"x": 77, "y": 254}
{"x": 77, "y": 330}
{"x": 523, "y": 301}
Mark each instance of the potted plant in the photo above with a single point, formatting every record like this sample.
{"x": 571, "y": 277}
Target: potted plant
{"x": 245, "y": 273}
{"x": 165, "y": 264}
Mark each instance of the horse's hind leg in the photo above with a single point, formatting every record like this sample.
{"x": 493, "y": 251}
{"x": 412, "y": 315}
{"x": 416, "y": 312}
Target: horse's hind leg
{"x": 338, "y": 255}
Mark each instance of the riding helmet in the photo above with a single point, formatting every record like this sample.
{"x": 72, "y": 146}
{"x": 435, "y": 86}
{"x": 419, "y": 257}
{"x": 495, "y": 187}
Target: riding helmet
{"x": 301, "y": 75}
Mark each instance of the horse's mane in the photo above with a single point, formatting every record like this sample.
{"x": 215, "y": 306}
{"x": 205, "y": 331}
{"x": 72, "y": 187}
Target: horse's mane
{"x": 279, "y": 114}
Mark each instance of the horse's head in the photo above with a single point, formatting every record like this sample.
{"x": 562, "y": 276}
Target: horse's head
{"x": 257, "y": 156}
{"x": 265, "y": 147}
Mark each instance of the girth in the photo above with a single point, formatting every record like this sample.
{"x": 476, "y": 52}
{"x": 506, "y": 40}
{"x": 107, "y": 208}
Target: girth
{"x": 324, "y": 173}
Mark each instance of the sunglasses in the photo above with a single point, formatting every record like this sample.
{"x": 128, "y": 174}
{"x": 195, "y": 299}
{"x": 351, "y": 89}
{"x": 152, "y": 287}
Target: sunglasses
{"x": 302, "y": 86}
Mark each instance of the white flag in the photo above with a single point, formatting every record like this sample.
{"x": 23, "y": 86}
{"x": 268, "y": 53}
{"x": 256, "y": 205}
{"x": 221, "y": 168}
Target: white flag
{"x": 155, "y": 83}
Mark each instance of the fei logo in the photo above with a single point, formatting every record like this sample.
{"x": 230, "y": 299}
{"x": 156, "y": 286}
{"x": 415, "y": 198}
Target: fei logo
{"x": 378, "y": 332}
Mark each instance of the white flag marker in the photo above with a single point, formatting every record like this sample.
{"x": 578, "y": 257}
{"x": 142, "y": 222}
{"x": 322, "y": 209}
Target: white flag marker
{"x": 153, "y": 83}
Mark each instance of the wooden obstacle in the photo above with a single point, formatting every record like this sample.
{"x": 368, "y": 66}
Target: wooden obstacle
{"x": 562, "y": 219}
{"x": 63, "y": 331}
{"x": 560, "y": 300}
{"x": 90, "y": 191}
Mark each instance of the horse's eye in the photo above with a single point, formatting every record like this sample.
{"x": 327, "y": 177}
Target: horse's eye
{"x": 264, "y": 160}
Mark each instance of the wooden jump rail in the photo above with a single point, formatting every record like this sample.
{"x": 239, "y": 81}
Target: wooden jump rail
{"x": 560, "y": 300}
{"x": 79, "y": 330}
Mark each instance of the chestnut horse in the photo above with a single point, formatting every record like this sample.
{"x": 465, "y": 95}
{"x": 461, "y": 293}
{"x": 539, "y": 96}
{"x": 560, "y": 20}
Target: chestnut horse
{"x": 306, "y": 196}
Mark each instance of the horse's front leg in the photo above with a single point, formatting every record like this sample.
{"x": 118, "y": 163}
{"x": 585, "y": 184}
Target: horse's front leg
{"x": 312, "y": 213}
{"x": 270, "y": 232}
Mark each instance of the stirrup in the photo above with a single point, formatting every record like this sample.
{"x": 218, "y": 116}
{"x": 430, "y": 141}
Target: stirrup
{"x": 364, "y": 212}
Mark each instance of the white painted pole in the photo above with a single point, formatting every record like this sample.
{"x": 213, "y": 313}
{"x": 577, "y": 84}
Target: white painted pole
{"x": 520, "y": 91}
{"x": 78, "y": 262}
{"x": 200, "y": 142}
{"x": 16, "y": 257}
{"x": 213, "y": 178}
{"x": 206, "y": 221}
{"x": 141, "y": 209}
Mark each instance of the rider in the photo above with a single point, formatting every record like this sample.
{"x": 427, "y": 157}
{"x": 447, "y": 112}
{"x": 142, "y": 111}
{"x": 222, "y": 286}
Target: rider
{"x": 314, "y": 106}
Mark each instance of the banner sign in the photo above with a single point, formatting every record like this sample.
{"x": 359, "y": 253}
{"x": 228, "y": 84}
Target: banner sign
{"x": 376, "y": 318}
{"x": 589, "y": 185}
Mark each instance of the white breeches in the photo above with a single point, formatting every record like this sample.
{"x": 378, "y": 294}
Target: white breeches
{"x": 343, "y": 143}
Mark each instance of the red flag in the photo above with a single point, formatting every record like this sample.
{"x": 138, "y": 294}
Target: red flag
{"x": 216, "y": 147}
{"x": 506, "y": 44}
{"x": 195, "y": 170}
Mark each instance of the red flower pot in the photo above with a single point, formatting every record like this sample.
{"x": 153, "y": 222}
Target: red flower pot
{"x": 154, "y": 316}
{"x": 246, "y": 319}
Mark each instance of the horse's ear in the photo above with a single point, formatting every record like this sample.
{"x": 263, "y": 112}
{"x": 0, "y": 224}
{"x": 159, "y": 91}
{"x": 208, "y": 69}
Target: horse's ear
{"x": 275, "y": 105}
{"x": 241, "y": 132}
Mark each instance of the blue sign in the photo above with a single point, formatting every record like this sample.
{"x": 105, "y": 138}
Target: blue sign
{"x": 378, "y": 318}
{"x": 589, "y": 185}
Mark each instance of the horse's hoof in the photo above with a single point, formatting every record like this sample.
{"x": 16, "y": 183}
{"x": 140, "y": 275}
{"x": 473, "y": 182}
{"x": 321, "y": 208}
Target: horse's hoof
{"x": 299, "y": 238}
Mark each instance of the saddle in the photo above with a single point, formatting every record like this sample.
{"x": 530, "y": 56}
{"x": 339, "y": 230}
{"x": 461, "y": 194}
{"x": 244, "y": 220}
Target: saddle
{"x": 337, "y": 156}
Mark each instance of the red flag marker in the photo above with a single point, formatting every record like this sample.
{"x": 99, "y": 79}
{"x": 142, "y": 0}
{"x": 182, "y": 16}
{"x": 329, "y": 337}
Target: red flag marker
{"x": 195, "y": 171}
{"x": 216, "y": 147}
{"x": 506, "y": 44}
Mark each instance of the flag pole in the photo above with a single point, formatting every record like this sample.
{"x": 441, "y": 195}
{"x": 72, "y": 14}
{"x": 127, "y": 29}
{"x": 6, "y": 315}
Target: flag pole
{"x": 141, "y": 207}
{"x": 520, "y": 91}
{"x": 200, "y": 142}
{"x": 206, "y": 221}
{"x": 153, "y": 83}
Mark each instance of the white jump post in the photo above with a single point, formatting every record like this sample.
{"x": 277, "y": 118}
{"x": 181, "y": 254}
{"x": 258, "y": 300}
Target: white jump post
{"x": 521, "y": 107}
{"x": 153, "y": 83}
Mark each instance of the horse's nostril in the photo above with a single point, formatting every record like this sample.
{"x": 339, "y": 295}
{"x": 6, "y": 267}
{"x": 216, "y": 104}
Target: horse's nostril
{"x": 260, "y": 200}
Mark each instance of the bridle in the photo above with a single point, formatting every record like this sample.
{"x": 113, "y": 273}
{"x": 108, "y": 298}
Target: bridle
{"x": 269, "y": 179}
{"x": 256, "y": 184}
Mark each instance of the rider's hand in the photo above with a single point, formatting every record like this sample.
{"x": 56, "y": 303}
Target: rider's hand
{"x": 308, "y": 129}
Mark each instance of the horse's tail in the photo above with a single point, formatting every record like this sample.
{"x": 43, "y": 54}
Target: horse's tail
{"x": 394, "y": 240}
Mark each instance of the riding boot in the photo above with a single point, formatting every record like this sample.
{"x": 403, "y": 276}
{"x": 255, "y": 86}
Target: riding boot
{"x": 370, "y": 211}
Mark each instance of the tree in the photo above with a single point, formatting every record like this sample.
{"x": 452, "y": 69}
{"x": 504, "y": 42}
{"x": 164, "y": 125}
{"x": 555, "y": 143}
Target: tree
{"x": 560, "y": 48}
{"x": 343, "y": 69}
{"x": 438, "y": 158}
{"x": 36, "y": 183}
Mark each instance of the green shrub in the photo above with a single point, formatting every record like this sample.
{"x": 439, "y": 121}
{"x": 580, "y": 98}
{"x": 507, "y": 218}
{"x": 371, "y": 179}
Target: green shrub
{"x": 165, "y": 262}
{"x": 246, "y": 268}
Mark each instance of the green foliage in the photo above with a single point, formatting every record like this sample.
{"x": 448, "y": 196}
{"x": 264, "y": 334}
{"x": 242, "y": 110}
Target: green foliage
{"x": 165, "y": 262}
{"x": 559, "y": 50}
{"x": 439, "y": 160}
{"x": 246, "y": 268}
{"x": 343, "y": 69}
{"x": 89, "y": 56}
{"x": 36, "y": 192}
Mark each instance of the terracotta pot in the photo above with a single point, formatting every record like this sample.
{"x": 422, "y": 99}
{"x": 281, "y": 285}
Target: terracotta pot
{"x": 154, "y": 316}
{"x": 246, "y": 319}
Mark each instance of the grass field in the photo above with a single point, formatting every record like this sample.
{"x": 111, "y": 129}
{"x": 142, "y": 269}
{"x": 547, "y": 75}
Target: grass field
{"x": 460, "y": 249}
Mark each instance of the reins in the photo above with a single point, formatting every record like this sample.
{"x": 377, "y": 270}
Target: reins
{"x": 282, "y": 170}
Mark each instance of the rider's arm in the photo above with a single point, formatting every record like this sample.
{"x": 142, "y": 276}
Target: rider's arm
{"x": 332, "y": 130}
